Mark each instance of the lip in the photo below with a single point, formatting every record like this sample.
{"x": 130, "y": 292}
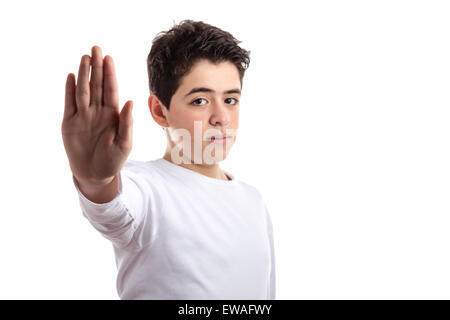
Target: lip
{"x": 219, "y": 140}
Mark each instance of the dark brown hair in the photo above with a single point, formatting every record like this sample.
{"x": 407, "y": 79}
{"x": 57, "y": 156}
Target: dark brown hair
{"x": 174, "y": 52}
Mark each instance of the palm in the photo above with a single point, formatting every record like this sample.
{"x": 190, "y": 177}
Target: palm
{"x": 97, "y": 138}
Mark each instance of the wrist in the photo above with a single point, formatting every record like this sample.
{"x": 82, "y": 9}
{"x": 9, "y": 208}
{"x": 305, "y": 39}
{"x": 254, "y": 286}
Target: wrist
{"x": 94, "y": 183}
{"x": 99, "y": 191}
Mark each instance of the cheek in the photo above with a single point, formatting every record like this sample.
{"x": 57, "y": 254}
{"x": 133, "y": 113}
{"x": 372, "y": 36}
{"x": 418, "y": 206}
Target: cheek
{"x": 191, "y": 121}
{"x": 188, "y": 121}
{"x": 180, "y": 119}
{"x": 234, "y": 118}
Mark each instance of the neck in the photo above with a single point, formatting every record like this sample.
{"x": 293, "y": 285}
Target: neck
{"x": 212, "y": 171}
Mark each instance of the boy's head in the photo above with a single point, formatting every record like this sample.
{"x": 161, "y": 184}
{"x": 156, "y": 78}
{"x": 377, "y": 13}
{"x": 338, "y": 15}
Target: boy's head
{"x": 195, "y": 76}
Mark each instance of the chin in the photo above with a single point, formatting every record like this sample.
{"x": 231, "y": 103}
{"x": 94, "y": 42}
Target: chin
{"x": 213, "y": 160}
{"x": 214, "y": 154}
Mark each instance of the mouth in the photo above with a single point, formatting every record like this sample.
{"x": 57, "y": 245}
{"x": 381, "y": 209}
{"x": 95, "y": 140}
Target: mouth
{"x": 219, "y": 139}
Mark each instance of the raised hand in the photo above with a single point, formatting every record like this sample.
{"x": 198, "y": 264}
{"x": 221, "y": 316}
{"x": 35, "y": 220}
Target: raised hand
{"x": 97, "y": 138}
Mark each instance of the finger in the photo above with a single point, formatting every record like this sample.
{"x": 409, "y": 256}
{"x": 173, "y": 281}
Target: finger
{"x": 96, "y": 84}
{"x": 110, "y": 88}
{"x": 70, "y": 106}
{"x": 82, "y": 91}
{"x": 125, "y": 133}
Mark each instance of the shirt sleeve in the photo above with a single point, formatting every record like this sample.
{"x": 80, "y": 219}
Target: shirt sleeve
{"x": 119, "y": 219}
{"x": 272, "y": 278}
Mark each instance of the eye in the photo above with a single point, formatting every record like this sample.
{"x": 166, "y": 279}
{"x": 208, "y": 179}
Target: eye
{"x": 236, "y": 100}
{"x": 196, "y": 100}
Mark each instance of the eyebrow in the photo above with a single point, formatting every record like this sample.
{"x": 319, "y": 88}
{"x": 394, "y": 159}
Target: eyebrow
{"x": 203, "y": 89}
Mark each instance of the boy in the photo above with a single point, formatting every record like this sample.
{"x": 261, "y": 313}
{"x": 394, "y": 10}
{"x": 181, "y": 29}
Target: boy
{"x": 181, "y": 227}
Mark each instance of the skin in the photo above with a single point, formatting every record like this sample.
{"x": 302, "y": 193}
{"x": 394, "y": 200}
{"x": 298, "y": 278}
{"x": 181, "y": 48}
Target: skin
{"x": 98, "y": 137}
{"x": 217, "y": 112}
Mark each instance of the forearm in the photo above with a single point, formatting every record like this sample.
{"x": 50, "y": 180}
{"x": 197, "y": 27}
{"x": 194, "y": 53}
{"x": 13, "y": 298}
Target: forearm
{"x": 115, "y": 209}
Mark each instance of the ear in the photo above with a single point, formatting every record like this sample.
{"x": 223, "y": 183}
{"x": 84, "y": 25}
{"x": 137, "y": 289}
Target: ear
{"x": 158, "y": 110}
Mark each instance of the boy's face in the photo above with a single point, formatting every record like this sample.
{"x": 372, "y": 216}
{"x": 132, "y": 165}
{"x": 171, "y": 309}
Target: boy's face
{"x": 206, "y": 104}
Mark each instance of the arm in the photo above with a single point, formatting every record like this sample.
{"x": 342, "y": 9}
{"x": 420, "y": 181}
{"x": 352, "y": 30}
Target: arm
{"x": 98, "y": 139}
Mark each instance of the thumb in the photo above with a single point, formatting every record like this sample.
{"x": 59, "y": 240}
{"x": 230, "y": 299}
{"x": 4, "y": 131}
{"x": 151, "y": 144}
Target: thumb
{"x": 125, "y": 139}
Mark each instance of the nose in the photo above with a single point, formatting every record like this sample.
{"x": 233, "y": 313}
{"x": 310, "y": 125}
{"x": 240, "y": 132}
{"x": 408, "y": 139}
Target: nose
{"x": 219, "y": 114}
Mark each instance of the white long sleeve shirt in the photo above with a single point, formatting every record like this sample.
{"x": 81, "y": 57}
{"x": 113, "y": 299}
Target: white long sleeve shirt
{"x": 178, "y": 234}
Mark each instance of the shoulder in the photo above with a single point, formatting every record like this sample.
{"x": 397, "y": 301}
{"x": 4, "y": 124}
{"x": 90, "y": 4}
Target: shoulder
{"x": 141, "y": 168}
{"x": 258, "y": 203}
{"x": 134, "y": 165}
{"x": 138, "y": 171}
{"x": 250, "y": 189}
{"x": 150, "y": 172}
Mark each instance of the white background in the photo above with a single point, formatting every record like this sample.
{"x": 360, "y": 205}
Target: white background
{"x": 344, "y": 129}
